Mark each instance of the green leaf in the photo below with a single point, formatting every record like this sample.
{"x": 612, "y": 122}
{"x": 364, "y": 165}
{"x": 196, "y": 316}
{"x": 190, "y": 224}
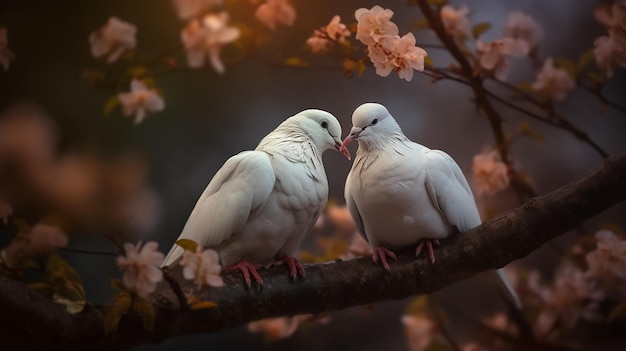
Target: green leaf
{"x": 585, "y": 59}
{"x": 137, "y": 72}
{"x": 568, "y": 65}
{"x": 480, "y": 28}
{"x": 418, "y": 306}
{"x": 117, "y": 284}
{"x": 112, "y": 103}
{"x": 296, "y": 62}
{"x": 421, "y": 23}
{"x": 119, "y": 307}
{"x": 65, "y": 283}
{"x": 146, "y": 311}
{"x": 617, "y": 312}
{"x": 187, "y": 244}
{"x": 428, "y": 62}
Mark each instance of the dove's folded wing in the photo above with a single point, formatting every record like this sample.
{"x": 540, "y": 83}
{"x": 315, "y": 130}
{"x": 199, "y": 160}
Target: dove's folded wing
{"x": 240, "y": 188}
{"x": 352, "y": 208}
{"x": 449, "y": 191}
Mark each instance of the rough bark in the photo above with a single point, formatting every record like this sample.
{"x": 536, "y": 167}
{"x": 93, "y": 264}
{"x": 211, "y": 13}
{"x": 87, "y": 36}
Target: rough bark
{"x": 36, "y": 322}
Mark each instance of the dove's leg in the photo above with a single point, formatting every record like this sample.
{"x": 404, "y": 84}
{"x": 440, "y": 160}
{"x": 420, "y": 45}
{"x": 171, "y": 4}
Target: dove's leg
{"x": 380, "y": 254}
{"x": 246, "y": 269}
{"x": 429, "y": 247}
{"x": 295, "y": 268}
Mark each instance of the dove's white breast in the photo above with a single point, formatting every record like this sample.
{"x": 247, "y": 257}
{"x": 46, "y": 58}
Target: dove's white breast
{"x": 388, "y": 188}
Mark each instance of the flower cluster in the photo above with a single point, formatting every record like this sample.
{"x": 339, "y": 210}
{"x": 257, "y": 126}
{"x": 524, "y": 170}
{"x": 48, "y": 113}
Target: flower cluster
{"x": 521, "y": 26}
{"x": 203, "y": 267}
{"x": 323, "y": 38}
{"x": 141, "y": 267}
{"x": 205, "y": 38}
{"x": 553, "y": 83}
{"x": 273, "y": 12}
{"x": 607, "y": 263}
{"x": 490, "y": 173}
{"x": 41, "y": 239}
{"x": 113, "y": 39}
{"x": 140, "y": 100}
{"x": 456, "y": 22}
{"x": 610, "y": 51}
{"x": 386, "y": 49}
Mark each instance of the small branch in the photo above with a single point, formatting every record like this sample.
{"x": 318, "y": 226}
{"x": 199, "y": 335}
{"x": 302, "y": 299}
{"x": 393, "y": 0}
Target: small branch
{"x": 598, "y": 93}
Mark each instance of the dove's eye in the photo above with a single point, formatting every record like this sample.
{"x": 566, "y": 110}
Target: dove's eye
{"x": 324, "y": 124}
{"x": 375, "y": 121}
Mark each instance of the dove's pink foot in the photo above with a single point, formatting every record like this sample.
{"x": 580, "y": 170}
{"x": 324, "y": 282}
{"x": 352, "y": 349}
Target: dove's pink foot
{"x": 429, "y": 246}
{"x": 246, "y": 269}
{"x": 380, "y": 254}
{"x": 295, "y": 268}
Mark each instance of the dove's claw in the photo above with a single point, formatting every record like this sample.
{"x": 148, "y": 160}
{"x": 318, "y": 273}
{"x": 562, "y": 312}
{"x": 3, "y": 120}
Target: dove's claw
{"x": 246, "y": 269}
{"x": 295, "y": 268}
{"x": 380, "y": 254}
{"x": 429, "y": 247}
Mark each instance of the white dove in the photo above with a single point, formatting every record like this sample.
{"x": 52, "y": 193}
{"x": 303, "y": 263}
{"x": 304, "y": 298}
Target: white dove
{"x": 401, "y": 193}
{"x": 259, "y": 206}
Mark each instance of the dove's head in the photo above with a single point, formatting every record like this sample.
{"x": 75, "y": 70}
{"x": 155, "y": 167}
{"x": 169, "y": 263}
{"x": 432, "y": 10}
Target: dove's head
{"x": 323, "y": 128}
{"x": 371, "y": 122}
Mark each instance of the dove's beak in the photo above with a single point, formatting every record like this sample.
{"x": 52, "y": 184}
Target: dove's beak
{"x": 354, "y": 134}
{"x": 339, "y": 146}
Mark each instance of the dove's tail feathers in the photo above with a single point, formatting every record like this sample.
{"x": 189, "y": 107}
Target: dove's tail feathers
{"x": 508, "y": 289}
{"x": 175, "y": 253}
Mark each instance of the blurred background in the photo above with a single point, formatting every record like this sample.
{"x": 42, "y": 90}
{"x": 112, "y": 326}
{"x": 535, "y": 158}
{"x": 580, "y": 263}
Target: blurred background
{"x": 108, "y": 177}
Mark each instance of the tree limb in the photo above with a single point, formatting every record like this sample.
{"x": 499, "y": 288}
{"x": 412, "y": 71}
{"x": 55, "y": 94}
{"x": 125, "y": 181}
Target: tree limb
{"x": 35, "y": 321}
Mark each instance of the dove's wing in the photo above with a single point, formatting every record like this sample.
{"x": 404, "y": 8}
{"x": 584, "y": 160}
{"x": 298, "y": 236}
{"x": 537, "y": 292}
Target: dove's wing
{"x": 449, "y": 191}
{"x": 353, "y": 209}
{"x": 242, "y": 186}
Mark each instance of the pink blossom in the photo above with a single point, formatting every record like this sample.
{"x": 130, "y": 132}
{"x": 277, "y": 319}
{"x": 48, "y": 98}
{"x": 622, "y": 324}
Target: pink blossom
{"x": 113, "y": 39}
{"x": 335, "y": 30}
{"x": 41, "y": 239}
{"x": 191, "y": 8}
{"x": 611, "y": 16}
{"x": 340, "y": 217}
{"x": 610, "y": 51}
{"x": 141, "y": 268}
{"x": 397, "y": 54}
{"x": 553, "y": 82}
{"x": 203, "y": 267}
{"x": 5, "y": 211}
{"x": 418, "y": 331}
{"x": 276, "y": 11}
{"x": 501, "y": 322}
{"x": 456, "y": 22}
{"x": 490, "y": 173}
{"x": 522, "y": 26}
{"x": 6, "y": 55}
{"x": 140, "y": 100}
{"x": 374, "y": 24}
{"x": 276, "y": 328}
{"x": 493, "y": 56}
{"x": 567, "y": 300}
{"x": 608, "y": 261}
{"x": 205, "y": 39}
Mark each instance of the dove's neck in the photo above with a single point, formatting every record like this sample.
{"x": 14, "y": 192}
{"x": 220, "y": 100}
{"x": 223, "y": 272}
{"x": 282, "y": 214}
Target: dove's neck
{"x": 292, "y": 143}
{"x": 383, "y": 142}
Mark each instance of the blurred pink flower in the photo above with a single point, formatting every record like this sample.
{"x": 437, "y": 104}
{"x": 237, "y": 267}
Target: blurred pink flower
{"x": 276, "y": 11}
{"x": 277, "y": 328}
{"x": 493, "y": 56}
{"x": 522, "y": 26}
{"x": 206, "y": 38}
{"x": 5, "y": 211}
{"x": 608, "y": 261}
{"x": 113, "y": 39}
{"x": 419, "y": 332}
{"x": 340, "y": 217}
{"x": 490, "y": 173}
{"x": 335, "y": 30}
{"x": 397, "y": 54}
{"x": 141, "y": 268}
{"x": 41, "y": 239}
{"x": 6, "y": 55}
{"x": 140, "y": 100}
{"x": 571, "y": 296}
{"x": 203, "y": 267}
{"x": 610, "y": 51}
{"x": 191, "y": 8}
{"x": 611, "y": 15}
{"x": 456, "y": 22}
{"x": 501, "y": 322}
{"x": 552, "y": 82}
{"x": 374, "y": 24}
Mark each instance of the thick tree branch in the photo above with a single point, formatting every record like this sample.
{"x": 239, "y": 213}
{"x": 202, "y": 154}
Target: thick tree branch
{"x": 34, "y": 321}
